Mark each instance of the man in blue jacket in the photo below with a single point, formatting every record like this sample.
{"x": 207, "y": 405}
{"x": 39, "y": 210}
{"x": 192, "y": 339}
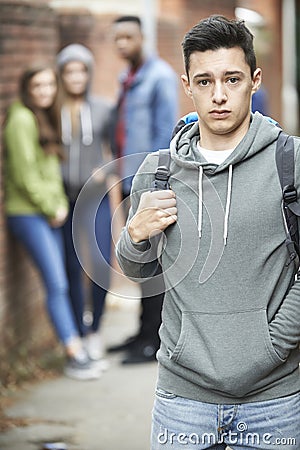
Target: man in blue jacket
{"x": 228, "y": 370}
{"x": 146, "y": 114}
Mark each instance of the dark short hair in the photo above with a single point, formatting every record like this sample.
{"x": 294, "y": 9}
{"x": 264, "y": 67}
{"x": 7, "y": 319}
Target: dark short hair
{"x": 134, "y": 19}
{"x": 217, "y": 32}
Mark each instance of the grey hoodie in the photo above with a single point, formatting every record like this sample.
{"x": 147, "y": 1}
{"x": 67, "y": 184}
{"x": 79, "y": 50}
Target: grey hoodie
{"x": 231, "y": 326}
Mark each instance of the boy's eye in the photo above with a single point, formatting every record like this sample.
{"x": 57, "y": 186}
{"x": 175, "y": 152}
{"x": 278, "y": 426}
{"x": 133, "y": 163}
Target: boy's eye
{"x": 233, "y": 80}
{"x": 204, "y": 82}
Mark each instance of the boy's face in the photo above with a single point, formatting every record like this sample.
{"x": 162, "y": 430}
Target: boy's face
{"x": 128, "y": 40}
{"x": 221, "y": 87}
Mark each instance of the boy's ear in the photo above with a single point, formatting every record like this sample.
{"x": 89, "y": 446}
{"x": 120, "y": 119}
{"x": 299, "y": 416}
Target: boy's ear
{"x": 256, "y": 80}
{"x": 186, "y": 85}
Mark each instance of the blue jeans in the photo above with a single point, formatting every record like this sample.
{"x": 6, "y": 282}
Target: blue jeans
{"x": 179, "y": 423}
{"x": 97, "y": 254}
{"x": 45, "y": 246}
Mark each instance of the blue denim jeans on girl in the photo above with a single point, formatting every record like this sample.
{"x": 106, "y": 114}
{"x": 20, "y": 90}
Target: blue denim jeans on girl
{"x": 45, "y": 246}
{"x": 97, "y": 251}
{"x": 179, "y": 423}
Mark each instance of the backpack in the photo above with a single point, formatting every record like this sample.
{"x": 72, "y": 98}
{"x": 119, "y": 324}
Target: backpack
{"x": 285, "y": 162}
{"x": 290, "y": 207}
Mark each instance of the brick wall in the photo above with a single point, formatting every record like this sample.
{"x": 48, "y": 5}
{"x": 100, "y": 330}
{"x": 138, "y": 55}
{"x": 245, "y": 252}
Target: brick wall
{"x": 268, "y": 49}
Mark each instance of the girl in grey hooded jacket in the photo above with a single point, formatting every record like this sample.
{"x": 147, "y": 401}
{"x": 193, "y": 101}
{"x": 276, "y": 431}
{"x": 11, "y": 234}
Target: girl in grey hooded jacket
{"x": 85, "y": 123}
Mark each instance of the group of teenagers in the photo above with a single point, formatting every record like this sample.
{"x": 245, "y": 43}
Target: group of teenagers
{"x": 228, "y": 360}
{"x": 62, "y": 185}
{"x": 48, "y": 131}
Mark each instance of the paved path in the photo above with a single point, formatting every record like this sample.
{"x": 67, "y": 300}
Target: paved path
{"x": 111, "y": 413}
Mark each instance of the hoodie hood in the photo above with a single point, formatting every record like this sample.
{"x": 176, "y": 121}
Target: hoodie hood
{"x": 262, "y": 132}
{"x": 184, "y": 152}
{"x": 75, "y": 52}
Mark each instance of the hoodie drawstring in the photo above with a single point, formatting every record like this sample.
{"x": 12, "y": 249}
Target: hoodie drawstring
{"x": 228, "y": 202}
{"x": 66, "y": 126}
{"x": 227, "y": 207}
{"x": 200, "y": 205}
{"x": 86, "y": 124}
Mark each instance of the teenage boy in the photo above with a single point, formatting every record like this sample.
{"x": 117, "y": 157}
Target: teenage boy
{"x": 229, "y": 356}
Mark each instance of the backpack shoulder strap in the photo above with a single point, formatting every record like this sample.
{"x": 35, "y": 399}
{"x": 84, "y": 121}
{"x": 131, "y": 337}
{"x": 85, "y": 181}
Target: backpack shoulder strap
{"x": 162, "y": 172}
{"x": 285, "y": 162}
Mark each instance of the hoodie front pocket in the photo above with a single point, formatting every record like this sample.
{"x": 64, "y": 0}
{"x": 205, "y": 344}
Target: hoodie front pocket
{"x": 229, "y": 352}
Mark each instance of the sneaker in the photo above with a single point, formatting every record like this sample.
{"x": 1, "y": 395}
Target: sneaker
{"x": 94, "y": 346}
{"x": 101, "y": 364}
{"x": 81, "y": 368}
{"x": 141, "y": 353}
{"x": 126, "y": 345}
{"x": 54, "y": 446}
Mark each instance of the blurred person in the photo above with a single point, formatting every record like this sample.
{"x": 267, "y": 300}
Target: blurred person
{"x": 146, "y": 113}
{"x": 85, "y": 122}
{"x": 36, "y": 205}
{"x": 228, "y": 369}
{"x": 260, "y": 101}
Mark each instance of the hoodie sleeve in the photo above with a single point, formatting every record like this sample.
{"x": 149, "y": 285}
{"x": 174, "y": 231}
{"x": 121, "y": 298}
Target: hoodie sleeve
{"x": 285, "y": 327}
{"x": 139, "y": 261}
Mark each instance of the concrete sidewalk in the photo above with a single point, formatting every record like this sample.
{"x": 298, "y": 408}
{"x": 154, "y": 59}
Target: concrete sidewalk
{"x": 111, "y": 413}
